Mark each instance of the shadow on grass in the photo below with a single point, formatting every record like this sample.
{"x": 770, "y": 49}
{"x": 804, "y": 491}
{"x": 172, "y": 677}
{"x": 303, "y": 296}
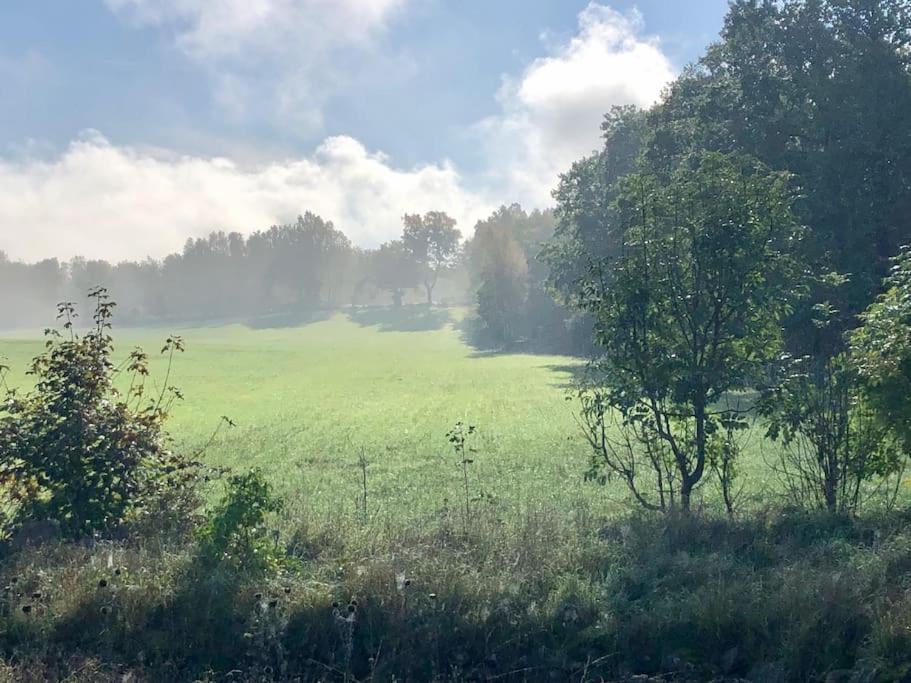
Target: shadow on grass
{"x": 288, "y": 319}
{"x": 572, "y": 374}
{"x": 414, "y": 318}
{"x": 473, "y": 333}
{"x": 200, "y": 627}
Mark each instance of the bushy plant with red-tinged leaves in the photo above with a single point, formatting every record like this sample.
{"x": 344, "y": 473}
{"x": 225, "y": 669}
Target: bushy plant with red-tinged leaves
{"x": 77, "y": 450}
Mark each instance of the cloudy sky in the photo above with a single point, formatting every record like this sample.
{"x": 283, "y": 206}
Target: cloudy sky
{"x": 128, "y": 125}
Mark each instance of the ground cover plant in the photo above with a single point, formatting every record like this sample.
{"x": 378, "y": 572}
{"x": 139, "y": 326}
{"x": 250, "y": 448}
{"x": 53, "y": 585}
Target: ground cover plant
{"x": 531, "y": 596}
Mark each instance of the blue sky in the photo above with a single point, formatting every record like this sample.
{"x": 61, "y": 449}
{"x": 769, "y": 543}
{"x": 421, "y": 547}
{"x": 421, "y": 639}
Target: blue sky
{"x": 129, "y": 125}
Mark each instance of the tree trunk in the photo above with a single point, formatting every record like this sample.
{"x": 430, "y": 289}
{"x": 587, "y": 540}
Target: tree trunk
{"x": 830, "y": 489}
{"x": 690, "y": 479}
{"x": 686, "y": 490}
{"x": 430, "y": 281}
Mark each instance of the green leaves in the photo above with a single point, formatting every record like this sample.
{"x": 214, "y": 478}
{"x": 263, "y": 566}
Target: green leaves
{"x": 831, "y": 446}
{"x": 882, "y": 349}
{"x": 688, "y": 305}
{"x": 821, "y": 89}
{"x": 77, "y": 451}
{"x": 694, "y": 299}
{"x": 235, "y": 529}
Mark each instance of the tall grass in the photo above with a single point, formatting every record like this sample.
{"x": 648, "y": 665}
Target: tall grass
{"x": 535, "y": 595}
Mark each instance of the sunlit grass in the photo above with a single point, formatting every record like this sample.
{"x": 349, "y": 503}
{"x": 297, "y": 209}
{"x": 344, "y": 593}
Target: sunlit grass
{"x": 310, "y": 396}
{"x": 308, "y": 399}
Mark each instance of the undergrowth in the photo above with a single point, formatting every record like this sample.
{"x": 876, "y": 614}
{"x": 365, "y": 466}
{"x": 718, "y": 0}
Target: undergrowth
{"x": 535, "y": 595}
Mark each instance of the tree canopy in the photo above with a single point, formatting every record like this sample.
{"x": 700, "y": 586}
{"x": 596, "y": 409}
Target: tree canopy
{"x": 882, "y": 348}
{"x": 433, "y": 242}
{"x": 687, "y": 305}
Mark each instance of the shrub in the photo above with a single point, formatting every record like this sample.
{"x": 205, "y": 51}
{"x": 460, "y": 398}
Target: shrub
{"x": 235, "y": 531}
{"x": 882, "y": 350}
{"x": 831, "y": 444}
{"x": 75, "y": 449}
{"x": 687, "y": 308}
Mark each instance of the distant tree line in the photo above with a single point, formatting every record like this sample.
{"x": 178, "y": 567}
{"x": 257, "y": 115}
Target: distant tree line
{"x": 305, "y": 265}
{"x": 310, "y": 264}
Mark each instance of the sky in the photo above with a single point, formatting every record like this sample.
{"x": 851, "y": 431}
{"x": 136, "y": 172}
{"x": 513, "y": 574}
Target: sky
{"x": 127, "y": 126}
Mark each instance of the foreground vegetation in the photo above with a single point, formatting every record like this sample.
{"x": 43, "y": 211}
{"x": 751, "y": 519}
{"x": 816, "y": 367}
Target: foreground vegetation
{"x": 536, "y": 595}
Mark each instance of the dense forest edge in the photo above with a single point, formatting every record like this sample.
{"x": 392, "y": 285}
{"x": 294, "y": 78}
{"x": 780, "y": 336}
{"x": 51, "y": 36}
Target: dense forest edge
{"x": 735, "y": 258}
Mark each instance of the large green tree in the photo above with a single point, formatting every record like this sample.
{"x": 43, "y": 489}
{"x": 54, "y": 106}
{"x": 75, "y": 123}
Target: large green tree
{"x": 585, "y": 199}
{"x": 509, "y": 276}
{"x": 688, "y": 304}
{"x": 499, "y": 266}
{"x": 392, "y": 269}
{"x": 820, "y": 88}
{"x": 433, "y": 242}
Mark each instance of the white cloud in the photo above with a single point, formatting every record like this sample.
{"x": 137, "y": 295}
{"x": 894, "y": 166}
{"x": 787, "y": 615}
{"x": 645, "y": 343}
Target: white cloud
{"x": 100, "y": 200}
{"x": 212, "y": 29}
{"x": 552, "y": 113}
{"x": 278, "y": 59}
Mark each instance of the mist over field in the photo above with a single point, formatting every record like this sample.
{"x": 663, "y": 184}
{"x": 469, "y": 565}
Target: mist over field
{"x": 407, "y": 340}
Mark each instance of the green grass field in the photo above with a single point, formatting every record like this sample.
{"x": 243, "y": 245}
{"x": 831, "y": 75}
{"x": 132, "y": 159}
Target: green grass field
{"x": 310, "y": 395}
{"x": 309, "y": 398}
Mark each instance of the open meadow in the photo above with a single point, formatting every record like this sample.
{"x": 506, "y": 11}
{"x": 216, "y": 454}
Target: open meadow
{"x": 546, "y": 578}
{"x": 309, "y": 396}
{"x": 309, "y": 399}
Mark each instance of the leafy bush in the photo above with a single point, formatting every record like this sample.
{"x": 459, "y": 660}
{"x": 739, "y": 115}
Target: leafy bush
{"x": 687, "y": 308}
{"x": 831, "y": 444}
{"x": 235, "y": 532}
{"x": 882, "y": 348}
{"x": 75, "y": 449}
